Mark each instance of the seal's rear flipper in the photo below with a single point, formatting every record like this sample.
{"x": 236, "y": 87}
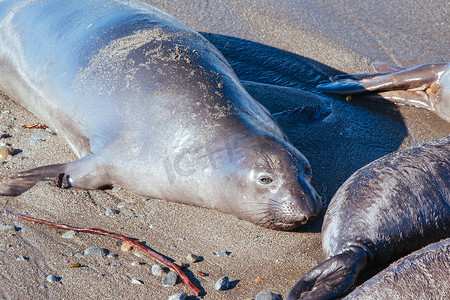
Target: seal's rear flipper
{"x": 418, "y": 99}
{"x": 418, "y": 78}
{"x": 414, "y": 87}
{"x": 332, "y": 278}
{"x": 16, "y": 184}
{"x": 83, "y": 173}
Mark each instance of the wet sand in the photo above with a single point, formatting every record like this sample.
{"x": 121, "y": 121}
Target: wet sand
{"x": 281, "y": 50}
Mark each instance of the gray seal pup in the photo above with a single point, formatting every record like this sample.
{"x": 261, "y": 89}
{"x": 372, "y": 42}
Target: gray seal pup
{"x": 425, "y": 86}
{"x": 148, "y": 104}
{"x": 395, "y": 205}
{"x": 422, "y": 274}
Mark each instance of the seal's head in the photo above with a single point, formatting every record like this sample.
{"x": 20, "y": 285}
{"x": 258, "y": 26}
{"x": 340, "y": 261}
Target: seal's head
{"x": 269, "y": 183}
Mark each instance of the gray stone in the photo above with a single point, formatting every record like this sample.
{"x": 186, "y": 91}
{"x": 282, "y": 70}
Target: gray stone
{"x": 7, "y": 228}
{"x": 169, "y": 280}
{"x": 96, "y": 251}
{"x": 268, "y": 296}
{"x": 52, "y": 278}
{"x": 179, "y": 296}
{"x": 69, "y": 234}
{"x": 222, "y": 284}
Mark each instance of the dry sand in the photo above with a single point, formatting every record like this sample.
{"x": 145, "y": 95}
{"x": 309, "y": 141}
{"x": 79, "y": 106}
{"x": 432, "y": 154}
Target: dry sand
{"x": 281, "y": 49}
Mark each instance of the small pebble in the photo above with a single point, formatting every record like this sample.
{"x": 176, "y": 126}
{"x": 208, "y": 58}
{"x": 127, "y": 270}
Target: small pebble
{"x": 180, "y": 264}
{"x": 126, "y": 247}
{"x": 222, "y": 284}
{"x": 135, "y": 263}
{"x": 115, "y": 189}
{"x": 69, "y": 234}
{"x": 180, "y": 296}
{"x": 112, "y": 255}
{"x": 136, "y": 281}
{"x": 52, "y": 278}
{"x": 5, "y": 151}
{"x": 110, "y": 212}
{"x": 268, "y": 296}
{"x": 157, "y": 270}
{"x": 8, "y": 228}
{"x": 223, "y": 253}
{"x": 139, "y": 254}
{"x": 169, "y": 280}
{"x": 192, "y": 258}
{"x": 75, "y": 265}
{"x": 39, "y": 136}
{"x": 96, "y": 251}
{"x": 22, "y": 258}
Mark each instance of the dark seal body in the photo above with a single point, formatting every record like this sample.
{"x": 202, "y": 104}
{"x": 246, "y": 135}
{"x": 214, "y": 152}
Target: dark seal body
{"x": 422, "y": 274}
{"x": 148, "y": 104}
{"x": 385, "y": 210}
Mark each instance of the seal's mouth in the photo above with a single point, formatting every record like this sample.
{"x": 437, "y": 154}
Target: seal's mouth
{"x": 282, "y": 217}
{"x": 278, "y": 224}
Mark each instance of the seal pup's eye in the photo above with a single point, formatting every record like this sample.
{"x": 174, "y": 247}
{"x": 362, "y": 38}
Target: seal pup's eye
{"x": 265, "y": 179}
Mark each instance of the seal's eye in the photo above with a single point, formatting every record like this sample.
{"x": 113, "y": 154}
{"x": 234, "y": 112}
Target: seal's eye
{"x": 265, "y": 179}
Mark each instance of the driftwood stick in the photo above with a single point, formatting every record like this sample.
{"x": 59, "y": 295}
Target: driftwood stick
{"x": 146, "y": 250}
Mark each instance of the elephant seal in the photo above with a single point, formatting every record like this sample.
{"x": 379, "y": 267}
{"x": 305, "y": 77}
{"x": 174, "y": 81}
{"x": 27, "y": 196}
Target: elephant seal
{"x": 420, "y": 275}
{"x": 148, "y": 104}
{"x": 395, "y": 205}
{"x": 425, "y": 86}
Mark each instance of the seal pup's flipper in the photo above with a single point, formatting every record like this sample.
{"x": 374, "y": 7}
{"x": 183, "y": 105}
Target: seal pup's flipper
{"x": 422, "y": 86}
{"x": 418, "y": 78}
{"x": 381, "y": 68}
{"x": 76, "y": 173}
{"x": 333, "y": 277}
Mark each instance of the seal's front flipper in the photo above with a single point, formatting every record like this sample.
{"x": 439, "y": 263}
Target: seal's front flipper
{"x": 82, "y": 173}
{"x": 332, "y": 278}
{"x": 16, "y": 184}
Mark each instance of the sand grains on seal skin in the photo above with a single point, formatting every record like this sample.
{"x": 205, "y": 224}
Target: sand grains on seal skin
{"x": 126, "y": 74}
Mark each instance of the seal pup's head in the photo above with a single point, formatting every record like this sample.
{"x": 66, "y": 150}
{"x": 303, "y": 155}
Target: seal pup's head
{"x": 268, "y": 181}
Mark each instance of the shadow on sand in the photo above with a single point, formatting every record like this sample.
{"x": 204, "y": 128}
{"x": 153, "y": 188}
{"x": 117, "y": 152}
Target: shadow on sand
{"x": 337, "y": 137}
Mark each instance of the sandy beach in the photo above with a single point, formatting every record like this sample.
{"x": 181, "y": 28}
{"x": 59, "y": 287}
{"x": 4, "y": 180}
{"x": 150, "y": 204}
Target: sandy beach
{"x": 280, "y": 50}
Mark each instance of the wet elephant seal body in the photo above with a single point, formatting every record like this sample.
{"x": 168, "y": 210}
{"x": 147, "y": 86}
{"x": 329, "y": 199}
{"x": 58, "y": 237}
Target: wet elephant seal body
{"x": 385, "y": 210}
{"x": 422, "y": 274}
{"x": 150, "y": 105}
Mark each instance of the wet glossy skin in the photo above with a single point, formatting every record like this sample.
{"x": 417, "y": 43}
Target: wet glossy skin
{"x": 422, "y": 274}
{"x": 387, "y": 209}
{"x": 149, "y": 104}
{"x": 426, "y": 86}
